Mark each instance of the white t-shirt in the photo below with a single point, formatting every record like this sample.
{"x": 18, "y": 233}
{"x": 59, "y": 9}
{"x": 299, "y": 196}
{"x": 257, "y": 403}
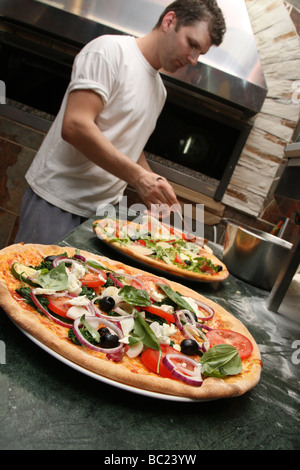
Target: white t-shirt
{"x": 133, "y": 94}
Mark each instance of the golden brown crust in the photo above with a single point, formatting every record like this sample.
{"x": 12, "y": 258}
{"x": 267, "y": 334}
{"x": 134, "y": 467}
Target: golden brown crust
{"x": 132, "y": 373}
{"x": 130, "y": 251}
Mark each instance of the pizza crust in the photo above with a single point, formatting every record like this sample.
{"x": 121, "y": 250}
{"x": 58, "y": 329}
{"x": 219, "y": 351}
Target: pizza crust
{"x": 41, "y": 328}
{"x": 137, "y": 253}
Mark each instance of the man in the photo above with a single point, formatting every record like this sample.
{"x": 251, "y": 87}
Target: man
{"x": 95, "y": 146}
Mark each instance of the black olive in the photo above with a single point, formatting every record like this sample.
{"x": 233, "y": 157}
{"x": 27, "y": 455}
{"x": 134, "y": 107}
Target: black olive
{"x": 189, "y": 347}
{"x": 109, "y": 340}
{"x": 187, "y": 262}
{"x": 219, "y": 268}
{"x": 107, "y": 303}
{"x": 50, "y": 258}
{"x": 103, "y": 330}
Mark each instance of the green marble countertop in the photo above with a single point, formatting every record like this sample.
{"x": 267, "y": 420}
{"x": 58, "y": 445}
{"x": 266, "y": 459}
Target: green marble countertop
{"x": 45, "y": 404}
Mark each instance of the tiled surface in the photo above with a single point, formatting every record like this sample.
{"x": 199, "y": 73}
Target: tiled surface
{"x": 18, "y": 145}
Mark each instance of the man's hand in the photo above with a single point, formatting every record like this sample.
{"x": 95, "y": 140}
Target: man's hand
{"x": 155, "y": 190}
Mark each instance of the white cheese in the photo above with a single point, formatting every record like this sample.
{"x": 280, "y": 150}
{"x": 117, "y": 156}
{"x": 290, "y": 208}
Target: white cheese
{"x": 142, "y": 250}
{"x": 41, "y": 291}
{"x": 163, "y": 332}
{"x": 101, "y": 278}
{"x": 192, "y": 303}
{"x": 78, "y": 270}
{"x": 113, "y": 292}
{"x": 167, "y": 308}
{"x": 80, "y": 301}
{"x": 159, "y": 297}
{"x": 127, "y": 325}
{"x": 76, "y": 312}
{"x": 163, "y": 245}
{"x": 74, "y": 285}
{"x": 135, "y": 349}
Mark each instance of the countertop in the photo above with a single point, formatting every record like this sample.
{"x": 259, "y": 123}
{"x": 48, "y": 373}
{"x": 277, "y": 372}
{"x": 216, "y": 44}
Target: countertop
{"x": 48, "y": 405}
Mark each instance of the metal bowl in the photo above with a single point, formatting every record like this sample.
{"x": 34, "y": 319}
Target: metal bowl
{"x": 253, "y": 255}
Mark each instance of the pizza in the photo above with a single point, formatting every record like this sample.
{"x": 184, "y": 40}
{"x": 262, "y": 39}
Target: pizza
{"x": 127, "y": 325}
{"x": 162, "y": 247}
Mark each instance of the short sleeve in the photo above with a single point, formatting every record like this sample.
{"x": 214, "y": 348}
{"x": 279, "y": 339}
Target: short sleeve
{"x": 91, "y": 71}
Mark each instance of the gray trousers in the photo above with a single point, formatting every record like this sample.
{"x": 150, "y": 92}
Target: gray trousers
{"x": 41, "y": 222}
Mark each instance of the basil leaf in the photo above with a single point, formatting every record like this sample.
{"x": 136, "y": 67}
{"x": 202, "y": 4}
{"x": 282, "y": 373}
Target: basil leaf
{"x": 96, "y": 265}
{"x": 134, "y": 296}
{"x": 176, "y": 297}
{"x": 221, "y": 360}
{"x": 93, "y": 332}
{"x": 144, "y": 333}
{"x": 55, "y": 279}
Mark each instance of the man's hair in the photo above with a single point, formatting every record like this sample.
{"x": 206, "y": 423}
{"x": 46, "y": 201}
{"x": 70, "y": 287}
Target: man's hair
{"x": 189, "y": 12}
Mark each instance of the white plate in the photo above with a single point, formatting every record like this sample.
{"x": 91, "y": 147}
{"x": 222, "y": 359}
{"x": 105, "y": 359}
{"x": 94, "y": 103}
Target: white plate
{"x": 105, "y": 380}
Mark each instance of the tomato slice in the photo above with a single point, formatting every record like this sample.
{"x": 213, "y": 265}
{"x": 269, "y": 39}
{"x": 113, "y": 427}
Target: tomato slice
{"x": 140, "y": 241}
{"x": 150, "y": 358}
{"x": 178, "y": 260}
{"x": 58, "y": 305}
{"x": 149, "y": 282}
{"x": 169, "y": 317}
{"x": 239, "y": 341}
{"x": 92, "y": 279}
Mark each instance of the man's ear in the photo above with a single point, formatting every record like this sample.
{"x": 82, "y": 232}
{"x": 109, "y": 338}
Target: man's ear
{"x": 169, "y": 20}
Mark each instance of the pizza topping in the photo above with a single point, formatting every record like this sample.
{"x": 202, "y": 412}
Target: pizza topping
{"x": 223, "y": 336}
{"x": 107, "y": 303}
{"x": 161, "y": 312}
{"x": 46, "y": 312}
{"x": 221, "y": 360}
{"x": 189, "y": 347}
{"x": 184, "y": 368}
{"x": 204, "y": 308}
{"x": 153, "y": 360}
{"x": 138, "y": 315}
{"x": 163, "y": 332}
{"x": 154, "y": 240}
{"x": 101, "y": 343}
{"x": 25, "y": 273}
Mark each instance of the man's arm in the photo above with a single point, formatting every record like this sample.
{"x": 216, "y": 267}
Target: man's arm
{"x": 80, "y": 130}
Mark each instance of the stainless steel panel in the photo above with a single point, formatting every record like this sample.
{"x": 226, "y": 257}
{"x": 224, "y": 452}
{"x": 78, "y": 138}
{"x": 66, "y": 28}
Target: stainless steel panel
{"x": 231, "y": 74}
{"x": 254, "y": 256}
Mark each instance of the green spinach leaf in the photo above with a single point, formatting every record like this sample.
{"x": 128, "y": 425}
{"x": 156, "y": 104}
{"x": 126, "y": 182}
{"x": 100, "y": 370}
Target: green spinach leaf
{"x": 221, "y": 360}
{"x": 176, "y": 297}
{"x": 143, "y": 332}
{"x": 134, "y": 296}
{"x": 56, "y": 279}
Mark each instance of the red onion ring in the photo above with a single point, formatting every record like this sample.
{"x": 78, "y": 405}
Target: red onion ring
{"x": 116, "y": 281}
{"x": 190, "y": 377}
{"x": 95, "y": 322}
{"x": 207, "y": 308}
{"x": 185, "y": 313}
{"x": 61, "y": 259}
{"x": 80, "y": 258}
{"x": 45, "y": 312}
{"x": 203, "y": 346}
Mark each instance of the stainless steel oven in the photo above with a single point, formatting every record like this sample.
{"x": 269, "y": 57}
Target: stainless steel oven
{"x": 207, "y": 118}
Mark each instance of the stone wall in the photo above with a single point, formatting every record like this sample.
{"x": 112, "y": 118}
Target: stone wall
{"x": 278, "y": 46}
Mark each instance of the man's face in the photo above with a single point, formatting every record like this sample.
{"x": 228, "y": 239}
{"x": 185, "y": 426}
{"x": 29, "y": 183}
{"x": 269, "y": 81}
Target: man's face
{"x": 184, "y": 46}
